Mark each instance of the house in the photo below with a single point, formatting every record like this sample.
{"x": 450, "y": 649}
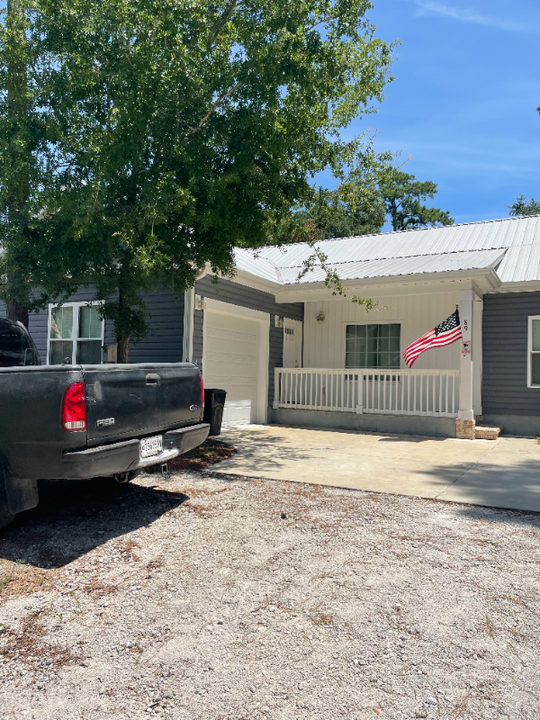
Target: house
{"x": 289, "y": 352}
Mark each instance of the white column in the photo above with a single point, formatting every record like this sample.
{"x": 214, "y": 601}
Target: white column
{"x": 187, "y": 342}
{"x": 478, "y": 306}
{"x": 466, "y": 406}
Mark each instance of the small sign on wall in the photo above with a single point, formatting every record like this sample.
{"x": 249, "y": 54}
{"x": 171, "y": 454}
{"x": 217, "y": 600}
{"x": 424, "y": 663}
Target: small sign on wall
{"x": 466, "y": 347}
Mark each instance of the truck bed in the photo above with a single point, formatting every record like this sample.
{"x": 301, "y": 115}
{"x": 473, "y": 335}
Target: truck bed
{"x": 130, "y": 417}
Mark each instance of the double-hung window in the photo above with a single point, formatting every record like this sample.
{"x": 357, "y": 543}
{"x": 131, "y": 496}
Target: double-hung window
{"x": 75, "y": 334}
{"x": 373, "y": 346}
{"x": 534, "y": 351}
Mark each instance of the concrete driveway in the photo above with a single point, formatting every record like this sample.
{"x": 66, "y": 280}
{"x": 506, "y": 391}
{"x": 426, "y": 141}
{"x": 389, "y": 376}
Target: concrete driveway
{"x": 504, "y": 473}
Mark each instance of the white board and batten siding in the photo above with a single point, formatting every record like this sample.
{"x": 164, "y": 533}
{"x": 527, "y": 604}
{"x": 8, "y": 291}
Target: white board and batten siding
{"x": 324, "y": 342}
{"x": 235, "y": 359}
{"x": 292, "y": 343}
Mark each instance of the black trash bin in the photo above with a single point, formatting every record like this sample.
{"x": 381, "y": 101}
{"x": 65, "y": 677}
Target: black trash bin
{"x": 214, "y": 402}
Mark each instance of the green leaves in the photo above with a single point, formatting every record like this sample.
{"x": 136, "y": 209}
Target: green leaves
{"x": 403, "y": 195}
{"x": 177, "y": 130}
{"x": 523, "y": 207}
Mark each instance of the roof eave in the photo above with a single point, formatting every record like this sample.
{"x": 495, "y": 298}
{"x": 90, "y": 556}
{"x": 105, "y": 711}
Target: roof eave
{"x": 522, "y": 286}
{"x": 242, "y": 277}
{"x": 486, "y": 279}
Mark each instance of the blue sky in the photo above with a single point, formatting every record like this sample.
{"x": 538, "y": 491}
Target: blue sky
{"x": 464, "y": 99}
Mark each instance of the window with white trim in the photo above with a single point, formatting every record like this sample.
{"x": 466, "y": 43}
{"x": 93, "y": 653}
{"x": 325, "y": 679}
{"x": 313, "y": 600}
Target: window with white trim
{"x": 534, "y": 351}
{"x": 373, "y": 346}
{"x": 76, "y": 332}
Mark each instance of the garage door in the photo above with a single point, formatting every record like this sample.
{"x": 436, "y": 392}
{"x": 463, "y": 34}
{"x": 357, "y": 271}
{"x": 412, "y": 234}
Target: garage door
{"x": 235, "y": 359}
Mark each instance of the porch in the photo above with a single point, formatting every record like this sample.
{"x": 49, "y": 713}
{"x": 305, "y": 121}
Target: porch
{"x": 411, "y": 402}
{"x": 433, "y": 393}
{"x": 351, "y": 374}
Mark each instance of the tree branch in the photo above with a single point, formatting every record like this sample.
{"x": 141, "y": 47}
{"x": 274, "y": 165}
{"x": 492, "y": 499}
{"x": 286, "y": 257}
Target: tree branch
{"x": 218, "y": 27}
{"x": 321, "y": 21}
{"x": 224, "y": 19}
{"x": 214, "y": 107}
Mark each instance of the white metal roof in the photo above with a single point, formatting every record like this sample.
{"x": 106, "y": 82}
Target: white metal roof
{"x": 392, "y": 267}
{"x": 511, "y": 246}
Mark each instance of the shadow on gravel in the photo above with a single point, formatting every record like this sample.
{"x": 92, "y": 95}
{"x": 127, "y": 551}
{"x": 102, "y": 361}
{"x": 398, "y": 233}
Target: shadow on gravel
{"x": 73, "y": 518}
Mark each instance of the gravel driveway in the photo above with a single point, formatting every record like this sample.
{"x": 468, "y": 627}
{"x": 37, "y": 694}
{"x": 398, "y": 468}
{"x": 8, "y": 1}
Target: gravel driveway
{"x": 194, "y": 596}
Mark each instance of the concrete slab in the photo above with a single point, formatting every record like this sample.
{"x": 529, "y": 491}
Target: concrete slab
{"x": 501, "y": 473}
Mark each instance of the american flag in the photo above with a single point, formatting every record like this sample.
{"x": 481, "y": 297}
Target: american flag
{"x": 445, "y": 333}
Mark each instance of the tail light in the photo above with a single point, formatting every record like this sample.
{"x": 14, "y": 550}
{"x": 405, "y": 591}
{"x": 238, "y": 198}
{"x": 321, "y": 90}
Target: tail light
{"x": 74, "y": 408}
{"x": 202, "y": 393}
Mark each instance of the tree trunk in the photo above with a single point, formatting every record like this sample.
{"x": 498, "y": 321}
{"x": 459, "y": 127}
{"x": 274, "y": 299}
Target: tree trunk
{"x": 394, "y": 216}
{"x": 16, "y": 311}
{"x": 122, "y": 338}
{"x": 122, "y": 355}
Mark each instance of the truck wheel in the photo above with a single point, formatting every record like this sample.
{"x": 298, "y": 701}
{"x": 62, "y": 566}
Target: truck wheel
{"x": 6, "y": 518}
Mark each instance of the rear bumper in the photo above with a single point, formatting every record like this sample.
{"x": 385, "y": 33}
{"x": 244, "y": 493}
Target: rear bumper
{"x": 125, "y": 456}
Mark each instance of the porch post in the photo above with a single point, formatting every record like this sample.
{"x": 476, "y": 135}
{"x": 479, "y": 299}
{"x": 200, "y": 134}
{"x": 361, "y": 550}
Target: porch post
{"x": 465, "y": 420}
{"x": 478, "y": 306}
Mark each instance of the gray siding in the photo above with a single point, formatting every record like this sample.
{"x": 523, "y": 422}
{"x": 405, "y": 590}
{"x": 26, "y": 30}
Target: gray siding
{"x": 197, "y": 337}
{"x": 504, "y": 381}
{"x": 166, "y": 320}
{"x": 231, "y": 292}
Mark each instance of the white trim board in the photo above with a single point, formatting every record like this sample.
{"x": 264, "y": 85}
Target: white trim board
{"x": 217, "y": 306}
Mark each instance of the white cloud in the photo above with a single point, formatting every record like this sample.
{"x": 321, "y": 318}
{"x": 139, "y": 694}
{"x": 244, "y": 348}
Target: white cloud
{"x": 431, "y": 7}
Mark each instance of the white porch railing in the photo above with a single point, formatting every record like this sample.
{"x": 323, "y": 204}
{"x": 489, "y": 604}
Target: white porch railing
{"x": 392, "y": 392}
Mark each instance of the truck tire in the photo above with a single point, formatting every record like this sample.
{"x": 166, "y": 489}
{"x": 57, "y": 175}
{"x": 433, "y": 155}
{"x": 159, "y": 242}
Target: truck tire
{"x": 15, "y": 495}
{"x": 6, "y": 518}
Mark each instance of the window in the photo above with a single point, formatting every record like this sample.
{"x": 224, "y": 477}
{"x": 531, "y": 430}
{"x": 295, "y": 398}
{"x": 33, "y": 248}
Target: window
{"x": 373, "y": 346}
{"x": 75, "y": 334}
{"x": 534, "y": 351}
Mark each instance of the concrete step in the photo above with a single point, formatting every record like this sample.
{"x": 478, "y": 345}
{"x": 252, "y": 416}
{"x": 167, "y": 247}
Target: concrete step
{"x": 481, "y": 432}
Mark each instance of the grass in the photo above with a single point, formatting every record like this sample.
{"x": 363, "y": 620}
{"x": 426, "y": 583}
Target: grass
{"x": 209, "y": 453}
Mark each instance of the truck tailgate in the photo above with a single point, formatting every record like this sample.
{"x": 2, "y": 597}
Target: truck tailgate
{"x": 131, "y": 400}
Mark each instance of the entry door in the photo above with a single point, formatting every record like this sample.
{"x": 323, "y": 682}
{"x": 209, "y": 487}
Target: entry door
{"x": 292, "y": 343}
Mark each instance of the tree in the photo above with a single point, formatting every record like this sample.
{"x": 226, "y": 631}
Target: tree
{"x": 21, "y": 144}
{"x": 186, "y": 129}
{"x": 371, "y": 192}
{"x": 356, "y": 206}
{"x": 403, "y": 195}
{"x": 523, "y": 207}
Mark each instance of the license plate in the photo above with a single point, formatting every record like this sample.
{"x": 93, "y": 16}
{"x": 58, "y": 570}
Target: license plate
{"x": 151, "y": 446}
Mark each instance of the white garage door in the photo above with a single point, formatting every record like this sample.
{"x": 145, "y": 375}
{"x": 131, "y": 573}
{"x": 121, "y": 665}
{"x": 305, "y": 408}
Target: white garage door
{"x": 235, "y": 359}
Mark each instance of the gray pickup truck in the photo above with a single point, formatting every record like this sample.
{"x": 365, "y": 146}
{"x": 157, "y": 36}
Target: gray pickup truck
{"x": 82, "y": 421}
